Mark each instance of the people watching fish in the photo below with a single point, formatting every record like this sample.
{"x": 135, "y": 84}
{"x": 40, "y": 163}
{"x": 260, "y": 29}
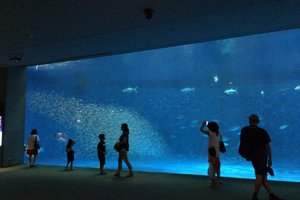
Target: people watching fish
{"x": 33, "y": 146}
{"x": 214, "y": 137}
{"x": 123, "y": 148}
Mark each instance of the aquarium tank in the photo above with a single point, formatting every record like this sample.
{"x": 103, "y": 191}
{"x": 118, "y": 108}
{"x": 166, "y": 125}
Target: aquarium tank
{"x": 164, "y": 95}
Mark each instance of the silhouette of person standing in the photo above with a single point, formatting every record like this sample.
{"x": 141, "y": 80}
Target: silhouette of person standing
{"x": 101, "y": 153}
{"x": 123, "y": 149}
{"x": 256, "y": 143}
{"x": 70, "y": 154}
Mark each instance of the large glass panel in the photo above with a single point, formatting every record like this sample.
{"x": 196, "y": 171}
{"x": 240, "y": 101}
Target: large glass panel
{"x": 164, "y": 95}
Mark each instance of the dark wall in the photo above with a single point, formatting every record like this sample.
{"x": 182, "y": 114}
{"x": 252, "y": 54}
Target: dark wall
{"x": 12, "y": 107}
{"x": 3, "y": 73}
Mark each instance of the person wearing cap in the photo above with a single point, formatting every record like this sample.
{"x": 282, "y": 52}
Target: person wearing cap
{"x": 259, "y": 153}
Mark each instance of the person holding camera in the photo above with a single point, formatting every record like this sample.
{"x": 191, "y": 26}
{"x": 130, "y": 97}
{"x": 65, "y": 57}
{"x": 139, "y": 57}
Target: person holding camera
{"x": 214, "y": 137}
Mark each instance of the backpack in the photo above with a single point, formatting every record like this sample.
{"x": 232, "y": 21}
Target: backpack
{"x": 36, "y": 144}
{"x": 244, "y": 151}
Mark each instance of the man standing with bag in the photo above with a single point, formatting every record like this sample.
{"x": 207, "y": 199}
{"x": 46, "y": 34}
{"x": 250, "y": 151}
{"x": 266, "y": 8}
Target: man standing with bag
{"x": 255, "y": 147}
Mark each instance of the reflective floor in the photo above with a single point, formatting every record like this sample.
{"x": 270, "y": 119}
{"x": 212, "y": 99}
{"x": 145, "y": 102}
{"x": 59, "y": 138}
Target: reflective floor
{"x": 53, "y": 182}
{"x": 227, "y": 170}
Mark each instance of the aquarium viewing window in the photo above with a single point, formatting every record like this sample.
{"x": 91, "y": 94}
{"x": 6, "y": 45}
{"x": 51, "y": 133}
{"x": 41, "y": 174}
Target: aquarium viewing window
{"x": 164, "y": 95}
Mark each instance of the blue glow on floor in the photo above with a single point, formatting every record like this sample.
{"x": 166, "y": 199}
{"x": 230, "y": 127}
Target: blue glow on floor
{"x": 227, "y": 170}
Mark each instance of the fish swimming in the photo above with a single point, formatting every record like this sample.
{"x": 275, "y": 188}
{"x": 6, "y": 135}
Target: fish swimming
{"x": 187, "y": 90}
{"x": 61, "y": 137}
{"x": 234, "y": 128}
{"x": 297, "y": 87}
{"x": 41, "y": 150}
{"x": 196, "y": 121}
{"x": 216, "y": 78}
{"x": 231, "y": 91}
{"x": 130, "y": 90}
{"x": 283, "y": 126}
{"x": 225, "y": 139}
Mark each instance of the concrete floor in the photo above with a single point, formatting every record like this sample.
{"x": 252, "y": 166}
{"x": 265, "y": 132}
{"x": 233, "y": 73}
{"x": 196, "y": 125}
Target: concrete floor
{"x": 52, "y": 182}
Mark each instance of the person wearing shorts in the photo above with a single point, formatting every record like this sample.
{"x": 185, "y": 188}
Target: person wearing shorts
{"x": 32, "y": 147}
{"x": 259, "y": 151}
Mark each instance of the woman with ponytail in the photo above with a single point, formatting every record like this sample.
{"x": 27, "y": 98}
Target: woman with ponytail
{"x": 123, "y": 149}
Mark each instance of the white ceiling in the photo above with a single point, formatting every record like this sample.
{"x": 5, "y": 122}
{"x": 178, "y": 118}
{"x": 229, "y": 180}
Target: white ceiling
{"x": 40, "y": 32}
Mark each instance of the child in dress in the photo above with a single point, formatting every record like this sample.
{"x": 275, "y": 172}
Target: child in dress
{"x": 101, "y": 153}
{"x": 70, "y": 154}
{"x": 214, "y": 166}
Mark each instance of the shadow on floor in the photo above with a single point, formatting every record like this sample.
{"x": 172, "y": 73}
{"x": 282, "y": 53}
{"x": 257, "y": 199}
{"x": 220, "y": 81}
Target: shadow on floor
{"x": 53, "y": 182}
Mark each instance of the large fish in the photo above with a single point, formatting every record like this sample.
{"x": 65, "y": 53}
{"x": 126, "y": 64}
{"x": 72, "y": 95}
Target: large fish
{"x": 231, "y": 91}
{"x": 188, "y": 90}
{"x": 130, "y": 90}
{"x": 297, "y": 87}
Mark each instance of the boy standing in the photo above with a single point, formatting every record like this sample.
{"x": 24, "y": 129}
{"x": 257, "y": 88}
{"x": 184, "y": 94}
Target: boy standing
{"x": 70, "y": 154}
{"x": 101, "y": 153}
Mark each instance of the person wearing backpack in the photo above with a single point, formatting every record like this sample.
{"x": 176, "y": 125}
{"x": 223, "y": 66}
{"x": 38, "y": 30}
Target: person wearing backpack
{"x": 255, "y": 147}
{"x": 33, "y": 145}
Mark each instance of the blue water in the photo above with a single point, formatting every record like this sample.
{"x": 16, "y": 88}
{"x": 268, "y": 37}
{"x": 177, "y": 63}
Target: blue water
{"x": 164, "y": 95}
